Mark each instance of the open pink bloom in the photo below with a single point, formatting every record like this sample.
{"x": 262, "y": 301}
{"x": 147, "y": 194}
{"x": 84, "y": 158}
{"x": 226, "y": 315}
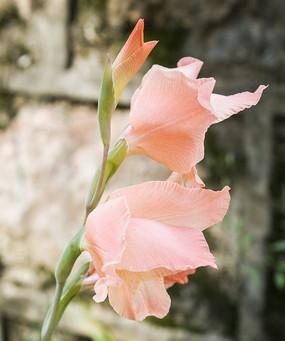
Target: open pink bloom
{"x": 147, "y": 237}
{"x": 130, "y": 58}
{"x": 172, "y": 110}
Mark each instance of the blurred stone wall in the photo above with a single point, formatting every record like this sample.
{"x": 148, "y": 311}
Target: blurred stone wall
{"x": 51, "y": 58}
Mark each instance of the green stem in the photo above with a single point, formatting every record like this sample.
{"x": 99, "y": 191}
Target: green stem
{"x": 51, "y": 320}
{"x": 71, "y": 289}
{"x": 63, "y": 269}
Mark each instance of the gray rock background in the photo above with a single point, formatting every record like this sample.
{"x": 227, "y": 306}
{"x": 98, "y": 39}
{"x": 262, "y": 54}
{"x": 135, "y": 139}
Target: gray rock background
{"x": 51, "y": 58}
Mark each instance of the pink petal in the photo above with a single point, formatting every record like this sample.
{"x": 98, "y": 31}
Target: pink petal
{"x": 173, "y": 204}
{"x": 190, "y": 180}
{"x": 190, "y": 66}
{"x": 139, "y": 296}
{"x": 101, "y": 290}
{"x": 105, "y": 233}
{"x": 90, "y": 280}
{"x": 152, "y": 245}
{"x": 179, "y": 277}
{"x": 169, "y": 118}
{"x": 225, "y": 106}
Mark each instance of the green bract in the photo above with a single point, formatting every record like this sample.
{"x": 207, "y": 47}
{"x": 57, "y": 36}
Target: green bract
{"x": 106, "y": 104}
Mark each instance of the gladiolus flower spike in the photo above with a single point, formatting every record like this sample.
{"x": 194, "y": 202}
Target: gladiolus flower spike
{"x": 145, "y": 238}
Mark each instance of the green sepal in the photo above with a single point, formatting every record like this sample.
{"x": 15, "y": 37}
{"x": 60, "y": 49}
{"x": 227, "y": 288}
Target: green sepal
{"x": 68, "y": 258}
{"x": 106, "y": 104}
{"x": 71, "y": 289}
{"x": 115, "y": 158}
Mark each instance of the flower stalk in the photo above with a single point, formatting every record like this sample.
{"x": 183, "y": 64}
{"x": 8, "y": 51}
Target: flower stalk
{"x": 115, "y": 78}
{"x": 71, "y": 289}
{"x": 63, "y": 270}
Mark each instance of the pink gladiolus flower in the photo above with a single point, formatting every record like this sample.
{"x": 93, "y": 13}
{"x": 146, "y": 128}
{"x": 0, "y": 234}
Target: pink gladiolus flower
{"x": 147, "y": 237}
{"x": 172, "y": 110}
{"x": 130, "y": 58}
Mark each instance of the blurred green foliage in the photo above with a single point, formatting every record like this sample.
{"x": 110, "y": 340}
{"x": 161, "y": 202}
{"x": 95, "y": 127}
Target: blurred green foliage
{"x": 279, "y": 264}
{"x": 9, "y": 15}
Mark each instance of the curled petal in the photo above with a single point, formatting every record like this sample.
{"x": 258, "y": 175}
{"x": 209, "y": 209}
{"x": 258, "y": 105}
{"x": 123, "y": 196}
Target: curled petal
{"x": 190, "y": 180}
{"x": 179, "y": 277}
{"x": 164, "y": 246}
{"x": 190, "y": 66}
{"x": 90, "y": 280}
{"x": 173, "y": 204}
{"x": 101, "y": 291}
{"x": 226, "y": 106}
{"x": 140, "y": 295}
